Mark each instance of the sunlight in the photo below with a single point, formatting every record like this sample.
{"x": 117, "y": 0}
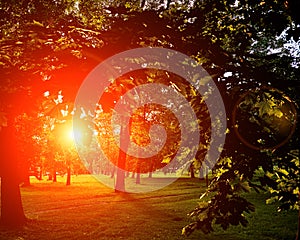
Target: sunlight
{"x": 67, "y": 134}
{"x": 75, "y": 135}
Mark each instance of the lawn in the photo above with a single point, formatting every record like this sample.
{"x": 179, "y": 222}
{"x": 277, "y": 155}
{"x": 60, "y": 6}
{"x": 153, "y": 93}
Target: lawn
{"x": 89, "y": 210}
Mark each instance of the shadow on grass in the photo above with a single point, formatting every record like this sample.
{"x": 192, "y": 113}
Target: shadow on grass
{"x": 87, "y": 210}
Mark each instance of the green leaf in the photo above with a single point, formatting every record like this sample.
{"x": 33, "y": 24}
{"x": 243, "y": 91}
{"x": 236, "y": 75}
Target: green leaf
{"x": 278, "y": 113}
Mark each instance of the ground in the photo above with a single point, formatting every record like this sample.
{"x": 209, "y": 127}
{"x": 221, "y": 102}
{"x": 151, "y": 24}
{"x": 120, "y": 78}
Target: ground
{"x": 88, "y": 210}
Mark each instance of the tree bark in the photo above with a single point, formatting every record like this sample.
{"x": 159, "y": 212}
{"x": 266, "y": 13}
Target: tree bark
{"x": 138, "y": 172}
{"x": 25, "y": 173}
{"x": 120, "y": 179}
{"x": 26, "y": 181}
{"x": 12, "y": 213}
{"x": 192, "y": 171}
{"x": 90, "y": 166}
{"x": 54, "y": 179}
{"x": 68, "y": 183}
{"x": 298, "y": 230}
{"x": 112, "y": 175}
{"x": 151, "y": 169}
{"x": 41, "y": 174}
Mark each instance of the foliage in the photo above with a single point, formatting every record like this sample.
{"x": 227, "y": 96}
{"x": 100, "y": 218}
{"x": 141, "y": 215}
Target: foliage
{"x": 285, "y": 181}
{"x": 250, "y": 63}
{"x": 277, "y": 159}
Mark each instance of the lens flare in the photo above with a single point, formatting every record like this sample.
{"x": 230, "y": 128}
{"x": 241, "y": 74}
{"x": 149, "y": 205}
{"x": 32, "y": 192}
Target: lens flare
{"x": 165, "y": 94}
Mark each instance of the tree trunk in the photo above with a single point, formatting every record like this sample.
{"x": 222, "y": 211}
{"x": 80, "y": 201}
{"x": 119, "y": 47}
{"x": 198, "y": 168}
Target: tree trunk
{"x": 90, "y": 167}
{"x": 41, "y": 174}
{"x": 120, "y": 179}
{"x": 25, "y": 173}
{"x": 192, "y": 171}
{"x": 12, "y": 213}
{"x": 206, "y": 180}
{"x": 54, "y": 178}
{"x": 26, "y": 181}
{"x": 151, "y": 169}
{"x": 138, "y": 172}
{"x": 68, "y": 176}
{"x": 298, "y": 230}
{"x": 112, "y": 175}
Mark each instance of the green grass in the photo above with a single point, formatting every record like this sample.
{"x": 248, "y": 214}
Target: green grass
{"x": 89, "y": 210}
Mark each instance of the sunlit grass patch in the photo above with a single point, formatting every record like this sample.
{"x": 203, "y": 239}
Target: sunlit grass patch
{"x": 89, "y": 210}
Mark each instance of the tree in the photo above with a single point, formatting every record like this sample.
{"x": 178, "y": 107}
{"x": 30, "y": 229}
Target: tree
{"x": 150, "y": 114}
{"x": 32, "y": 35}
{"x": 250, "y": 64}
{"x": 235, "y": 174}
{"x": 11, "y": 207}
{"x": 62, "y": 134}
{"x": 29, "y": 130}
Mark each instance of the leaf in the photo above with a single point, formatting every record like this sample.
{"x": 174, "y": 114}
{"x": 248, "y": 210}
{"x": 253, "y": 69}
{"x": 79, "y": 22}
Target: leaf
{"x": 189, "y": 229}
{"x": 283, "y": 171}
{"x": 278, "y": 113}
{"x": 6, "y": 57}
{"x": 263, "y": 108}
{"x": 245, "y": 186}
{"x": 37, "y": 23}
{"x": 296, "y": 191}
{"x": 166, "y": 160}
{"x": 193, "y": 92}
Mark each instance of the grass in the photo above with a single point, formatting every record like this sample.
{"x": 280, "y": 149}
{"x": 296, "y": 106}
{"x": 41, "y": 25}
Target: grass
{"x": 89, "y": 210}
